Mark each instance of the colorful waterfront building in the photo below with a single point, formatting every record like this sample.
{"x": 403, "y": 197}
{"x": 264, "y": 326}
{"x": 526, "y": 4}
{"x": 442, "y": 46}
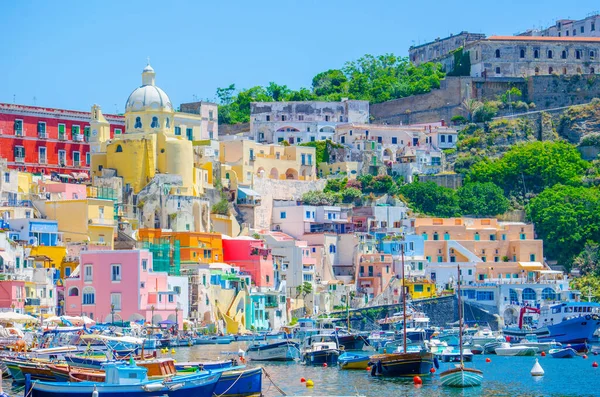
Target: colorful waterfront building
{"x": 48, "y": 141}
{"x": 375, "y": 271}
{"x": 110, "y": 286}
{"x": 251, "y": 256}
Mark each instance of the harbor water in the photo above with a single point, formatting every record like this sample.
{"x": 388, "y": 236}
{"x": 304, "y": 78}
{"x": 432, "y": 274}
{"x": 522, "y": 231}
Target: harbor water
{"x": 503, "y": 376}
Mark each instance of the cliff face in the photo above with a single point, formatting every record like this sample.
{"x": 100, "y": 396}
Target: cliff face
{"x": 577, "y": 122}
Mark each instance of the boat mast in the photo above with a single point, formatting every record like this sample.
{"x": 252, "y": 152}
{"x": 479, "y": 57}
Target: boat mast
{"x": 403, "y": 300}
{"x": 460, "y": 321}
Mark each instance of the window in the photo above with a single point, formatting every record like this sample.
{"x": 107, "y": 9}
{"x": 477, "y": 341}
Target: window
{"x": 283, "y": 215}
{"x": 171, "y": 298}
{"x": 62, "y": 158}
{"x": 582, "y": 29}
{"x": 332, "y": 248}
{"x": 7, "y": 177}
{"x": 308, "y": 214}
{"x": 268, "y": 118}
{"x": 497, "y": 53}
{"x": 484, "y": 259}
{"x": 492, "y": 237}
{"x": 75, "y": 131}
{"x": 476, "y": 236}
{"x": 18, "y": 127}
{"x": 189, "y": 133}
{"x": 138, "y": 123}
{"x": 282, "y": 117}
{"x": 118, "y": 131}
{"x": 87, "y": 158}
{"x": 522, "y": 236}
{"x": 76, "y": 159}
{"x": 550, "y": 70}
{"x": 87, "y": 273}
{"x": 42, "y": 155}
{"x": 207, "y": 254}
{"x": 536, "y": 53}
{"x": 529, "y": 294}
{"x": 154, "y": 123}
{"x": 19, "y": 154}
{"x": 89, "y": 296}
{"x": 436, "y": 236}
{"x": 563, "y": 55}
{"x": 531, "y": 257}
{"x": 446, "y": 236}
{"x": 522, "y": 53}
{"x": 144, "y": 264}
{"x": 440, "y": 258}
{"x": 73, "y": 291}
{"x": 592, "y": 54}
{"x": 485, "y": 295}
{"x": 550, "y": 54}
{"x": 115, "y": 300}
{"x": 326, "y": 118}
{"x": 504, "y": 237}
{"x": 593, "y": 27}
{"x": 41, "y": 128}
{"x": 177, "y": 130}
{"x": 567, "y": 33}
{"x": 497, "y": 70}
{"x": 115, "y": 272}
{"x": 450, "y": 138}
{"x": 578, "y": 54}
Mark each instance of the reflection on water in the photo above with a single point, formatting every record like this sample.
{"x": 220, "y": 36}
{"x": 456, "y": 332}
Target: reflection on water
{"x": 504, "y": 376}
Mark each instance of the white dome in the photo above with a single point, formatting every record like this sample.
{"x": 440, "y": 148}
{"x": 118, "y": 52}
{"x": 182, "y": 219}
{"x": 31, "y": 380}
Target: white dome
{"x": 148, "y": 97}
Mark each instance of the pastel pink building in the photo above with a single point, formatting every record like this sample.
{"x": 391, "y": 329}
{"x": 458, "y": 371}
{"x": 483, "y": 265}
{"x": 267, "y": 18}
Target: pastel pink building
{"x": 12, "y": 295}
{"x": 124, "y": 279}
{"x": 64, "y": 191}
{"x": 251, "y": 256}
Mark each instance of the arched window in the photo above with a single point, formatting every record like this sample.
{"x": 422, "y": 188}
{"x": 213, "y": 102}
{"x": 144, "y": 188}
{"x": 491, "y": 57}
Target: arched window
{"x": 537, "y": 71}
{"x": 119, "y": 149}
{"x": 89, "y": 296}
{"x": 138, "y": 122}
{"x": 73, "y": 291}
{"x": 536, "y": 53}
{"x": 513, "y": 297}
{"x": 436, "y": 236}
{"x": 168, "y": 122}
{"x": 548, "y": 294}
{"x": 550, "y": 70}
{"x": 497, "y": 53}
{"x": 529, "y": 294}
{"x": 592, "y": 54}
{"x": 563, "y": 55}
{"x": 550, "y": 54}
{"x": 522, "y": 53}
{"x": 154, "y": 122}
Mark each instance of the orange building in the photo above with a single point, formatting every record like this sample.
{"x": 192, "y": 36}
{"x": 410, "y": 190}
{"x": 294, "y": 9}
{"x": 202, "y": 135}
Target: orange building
{"x": 195, "y": 247}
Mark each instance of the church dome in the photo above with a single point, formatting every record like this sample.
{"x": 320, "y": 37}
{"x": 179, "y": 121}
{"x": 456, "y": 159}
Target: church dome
{"x": 148, "y": 96}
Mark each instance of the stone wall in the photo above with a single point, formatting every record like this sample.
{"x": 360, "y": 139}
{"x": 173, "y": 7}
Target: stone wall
{"x": 272, "y": 189}
{"x": 234, "y": 129}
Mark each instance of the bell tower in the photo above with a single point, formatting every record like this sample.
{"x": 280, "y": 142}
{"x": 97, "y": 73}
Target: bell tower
{"x": 99, "y": 131}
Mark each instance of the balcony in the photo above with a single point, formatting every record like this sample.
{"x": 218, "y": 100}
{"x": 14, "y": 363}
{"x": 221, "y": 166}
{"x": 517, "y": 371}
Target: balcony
{"x": 43, "y": 135}
{"x": 43, "y": 160}
{"x": 32, "y": 301}
{"x": 248, "y": 202}
{"x": 19, "y": 133}
{"x": 78, "y": 137}
{"x": 62, "y": 136}
{"x": 101, "y": 222}
{"x": 76, "y": 163}
{"x": 19, "y": 159}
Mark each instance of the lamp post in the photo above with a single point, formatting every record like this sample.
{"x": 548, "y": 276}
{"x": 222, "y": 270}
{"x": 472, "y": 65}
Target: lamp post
{"x": 112, "y": 312}
{"x": 152, "y": 318}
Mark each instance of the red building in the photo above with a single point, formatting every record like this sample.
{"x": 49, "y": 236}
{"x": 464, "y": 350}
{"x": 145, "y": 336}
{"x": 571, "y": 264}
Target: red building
{"x": 48, "y": 141}
{"x": 252, "y": 257}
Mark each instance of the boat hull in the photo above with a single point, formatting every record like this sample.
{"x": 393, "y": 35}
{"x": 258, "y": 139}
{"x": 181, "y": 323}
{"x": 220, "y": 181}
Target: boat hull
{"x": 403, "y": 364}
{"x": 563, "y": 353}
{"x": 320, "y": 357}
{"x": 197, "y": 386}
{"x": 281, "y": 351}
{"x": 240, "y": 383}
{"x": 353, "y": 361}
{"x": 351, "y": 342}
{"x": 461, "y": 377}
{"x": 521, "y": 351}
{"x": 574, "y": 330}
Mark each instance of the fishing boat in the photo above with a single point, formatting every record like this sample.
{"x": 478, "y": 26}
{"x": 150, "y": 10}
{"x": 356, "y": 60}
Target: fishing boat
{"x": 240, "y": 382}
{"x": 353, "y": 361}
{"x": 402, "y": 362}
{"x": 461, "y": 376}
{"x": 320, "y": 349}
{"x": 275, "y": 351}
{"x": 205, "y": 365}
{"x": 349, "y": 340}
{"x": 128, "y": 380}
{"x": 567, "y": 352}
{"x": 506, "y": 349}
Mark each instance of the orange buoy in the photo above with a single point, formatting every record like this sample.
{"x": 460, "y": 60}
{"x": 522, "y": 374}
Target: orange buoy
{"x": 488, "y": 360}
{"x": 417, "y": 380}
{"x": 368, "y": 368}
{"x": 432, "y": 370}
{"x": 595, "y": 364}
{"x": 302, "y": 380}
{"x": 584, "y": 356}
{"x": 543, "y": 354}
{"x": 324, "y": 365}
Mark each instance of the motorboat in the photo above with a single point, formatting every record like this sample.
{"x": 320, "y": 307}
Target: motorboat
{"x": 239, "y": 382}
{"x": 453, "y": 356}
{"x": 484, "y": 336}
{"x": 353, "y": 361}
{"x": 436, "y": 346}
{"x": 283, "y": 350}
{"x": 531, "y": 340}
{"x": 506, "y": 349}
{"x": 320, "y": 349}
{"x": 567, "y": 352}
{"x": 490, "y": 347}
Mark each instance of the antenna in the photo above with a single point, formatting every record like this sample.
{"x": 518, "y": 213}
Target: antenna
{"x": 34, "y": 101}
{"x": 116, "y": 109}
{"x": 14, "y": 98}
{"x": 148, "y": 59}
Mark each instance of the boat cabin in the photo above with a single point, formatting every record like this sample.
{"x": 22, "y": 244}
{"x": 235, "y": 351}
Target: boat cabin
{"x": 119, "y": 374}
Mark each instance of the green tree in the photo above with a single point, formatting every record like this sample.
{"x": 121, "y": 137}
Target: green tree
{"x": 531, "y": 168}
{"x": 304, "y": 290}
{"x": 482, "y": 199}
{"x": 431, "y": 199}
{"x": 565, "y": 217}
{"x": 485, "y": 112}
{"x": 588, "y": 260}
{"x": 589, "y": 284}
{"x": 351, "y": 196}
{"x": 330, "y": 82}
{"x": 221, "y": 207}
{"x": 335, "y": 185}
{"x": 315, "y": 197}
{"x": 470, "y": 106}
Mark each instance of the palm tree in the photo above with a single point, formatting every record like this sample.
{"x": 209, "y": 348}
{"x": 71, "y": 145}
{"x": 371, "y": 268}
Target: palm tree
{"x": 470, "y": 106}
{"x": 304, "y": 289}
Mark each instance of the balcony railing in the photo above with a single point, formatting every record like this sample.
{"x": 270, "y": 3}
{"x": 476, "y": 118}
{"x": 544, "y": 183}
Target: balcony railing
{"x": 101, "y": 221}
{"x": 42, "y": 135}
{"x": 62, "y": 137}
{"x": 78, "y": 137}
{"x": 19, "y": 159}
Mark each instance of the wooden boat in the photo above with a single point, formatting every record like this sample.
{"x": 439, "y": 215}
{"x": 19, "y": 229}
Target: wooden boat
{"x": 320, "y": 349}
{"x": 506, "y": 349}
{"x": 567, "y": 352}
{"x": 128, "y": 381}
{"x": 353, "y": 361}
{"x": 461, "y": 376}
{"x": 37, "y": 371}
{"x": 205, "y": 365}
{"x": 278, "y": 351}
{"x": 403, "y": 363}
{"x": 86, "y": 374}
{"x": 240, "y": 382}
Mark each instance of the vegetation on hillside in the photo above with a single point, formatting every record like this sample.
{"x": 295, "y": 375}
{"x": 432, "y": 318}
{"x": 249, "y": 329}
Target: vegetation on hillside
{"x": 372, "y": 78}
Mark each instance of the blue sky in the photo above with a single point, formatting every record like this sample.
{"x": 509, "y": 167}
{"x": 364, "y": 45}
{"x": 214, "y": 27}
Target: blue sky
{"x": 72, "y": 54}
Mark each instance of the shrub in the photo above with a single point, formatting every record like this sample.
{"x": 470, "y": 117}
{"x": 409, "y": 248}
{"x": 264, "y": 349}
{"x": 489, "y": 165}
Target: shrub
{"x": 221, "y": 207}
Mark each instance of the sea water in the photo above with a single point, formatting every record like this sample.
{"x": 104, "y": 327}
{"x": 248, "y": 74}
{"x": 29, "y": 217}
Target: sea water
{"x": 503, "y": 376}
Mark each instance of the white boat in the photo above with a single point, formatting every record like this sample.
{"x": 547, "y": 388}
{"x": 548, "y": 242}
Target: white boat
{"x": 505, "y": 349}
{"x": 484, "y": 336}
{"x": 460, "y": 376}
{"x": 277, "y": 351}
{"x": 531, "y": 340}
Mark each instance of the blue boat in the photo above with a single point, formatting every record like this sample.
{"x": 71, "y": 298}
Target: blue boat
{"x": 277, "y": 351}
{"x": 353, "y": 361}
{"x": 205, "y": 365}
{"x": 563, "y": 353}
{"x": 242, "y": 382}
{"x": 128, "y": 380}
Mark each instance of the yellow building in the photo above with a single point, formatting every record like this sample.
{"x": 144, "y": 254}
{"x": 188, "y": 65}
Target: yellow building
{"x": 420, "y": 288}
{"x": 150, "y": 144}
{"x": 345, "y": 168}
{"x": 88, "y": 220}
{"x": 249, "y": 160}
